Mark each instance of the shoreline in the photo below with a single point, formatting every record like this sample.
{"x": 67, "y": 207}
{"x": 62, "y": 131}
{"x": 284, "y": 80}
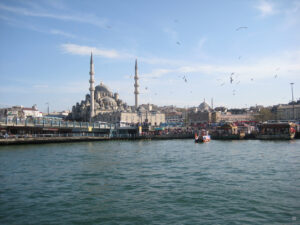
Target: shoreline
{"x": 48, "y": 140}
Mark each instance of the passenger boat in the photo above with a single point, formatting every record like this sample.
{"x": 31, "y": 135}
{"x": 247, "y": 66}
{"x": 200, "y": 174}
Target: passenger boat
{"x": 227, "y": 131}
{"x": 276, "y": 131}
{"x": 202, "y": 137}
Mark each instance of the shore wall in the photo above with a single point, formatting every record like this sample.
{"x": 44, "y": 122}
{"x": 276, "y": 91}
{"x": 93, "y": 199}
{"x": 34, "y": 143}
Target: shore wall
{"x": 45, "y": 140}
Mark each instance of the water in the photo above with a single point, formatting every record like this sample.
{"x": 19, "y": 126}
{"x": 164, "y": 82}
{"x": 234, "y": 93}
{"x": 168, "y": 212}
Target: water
{"x": 151, "y": 182}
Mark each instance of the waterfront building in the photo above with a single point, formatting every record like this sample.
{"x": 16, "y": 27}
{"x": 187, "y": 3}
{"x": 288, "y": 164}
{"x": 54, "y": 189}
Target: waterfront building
{"x": 205, "y": 114}
{"x": 20, "y": 112}
{"x": 288, "y": 112}
{"x": 105, "y": 106}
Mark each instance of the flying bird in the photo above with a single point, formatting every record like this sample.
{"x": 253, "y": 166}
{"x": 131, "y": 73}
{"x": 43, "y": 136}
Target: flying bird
{"x": 146, "y": 88}
{"x": 251, "y": 79}
{"x": 240, "y": 57}
{"x": 184, "y": 78}
{"x": 276, "y": 76}
{"x": 239, "y": 28}
{"x": 178, "y": 42}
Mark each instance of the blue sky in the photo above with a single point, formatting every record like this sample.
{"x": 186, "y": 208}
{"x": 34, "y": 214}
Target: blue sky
{"x": 45, "y": 47}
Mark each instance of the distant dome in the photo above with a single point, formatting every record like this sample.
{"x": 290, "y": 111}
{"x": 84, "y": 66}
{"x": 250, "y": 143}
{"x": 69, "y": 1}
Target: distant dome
{"x": 204, "y": 107}
{"x": 102, "y": 88}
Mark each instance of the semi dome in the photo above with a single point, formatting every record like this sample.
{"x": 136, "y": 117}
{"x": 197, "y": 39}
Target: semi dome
{"x": 109, "y": 101}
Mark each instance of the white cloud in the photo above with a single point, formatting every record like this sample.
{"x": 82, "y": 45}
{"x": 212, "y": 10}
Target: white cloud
{"x": 201, "y": 42}
{"x": 286, "y": 64}
{"x": 82, "y": 18}
{"x": 86, "y": 50}
{"x": 62, "y": 33}
{"x": 24, "y": 25}
{"x": 172, "y": 34}
{"x": 266, "y": 8}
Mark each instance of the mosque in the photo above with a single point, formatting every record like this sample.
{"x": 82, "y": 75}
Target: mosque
{"x": 105, "y": 106}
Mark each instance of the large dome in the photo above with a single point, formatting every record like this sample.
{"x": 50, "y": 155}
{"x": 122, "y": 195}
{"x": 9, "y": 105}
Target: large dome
{"x": 102, "y": 88}
{"x": 204, "y": 107}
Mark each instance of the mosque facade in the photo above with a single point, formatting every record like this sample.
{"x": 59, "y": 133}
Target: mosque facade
{"x": 103, "y": 105}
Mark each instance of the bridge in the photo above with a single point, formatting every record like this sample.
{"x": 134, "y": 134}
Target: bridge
{"x": 50, "y": 128}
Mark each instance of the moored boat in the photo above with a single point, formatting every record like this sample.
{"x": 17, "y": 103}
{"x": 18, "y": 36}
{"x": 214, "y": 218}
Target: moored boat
{"x": 202, "y": 137}
{"x": 227, "y": 131}
{"x": 276, "y": 131}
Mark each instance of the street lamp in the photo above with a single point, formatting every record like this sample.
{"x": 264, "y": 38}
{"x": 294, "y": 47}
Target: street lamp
{"x": 293, "y": 100}
{"x": 47, "y": 103}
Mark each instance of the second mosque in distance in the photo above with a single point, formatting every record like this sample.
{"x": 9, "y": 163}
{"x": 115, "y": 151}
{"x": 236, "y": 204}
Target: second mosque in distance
{"x": 105, "y": 106}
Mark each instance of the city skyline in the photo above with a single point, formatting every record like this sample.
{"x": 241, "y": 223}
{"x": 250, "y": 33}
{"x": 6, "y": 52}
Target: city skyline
{"x": 238, "y": 53}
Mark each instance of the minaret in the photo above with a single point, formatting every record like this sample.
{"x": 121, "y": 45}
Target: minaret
{"x": 136, "y": 85}
{"x": 92, "y": 88}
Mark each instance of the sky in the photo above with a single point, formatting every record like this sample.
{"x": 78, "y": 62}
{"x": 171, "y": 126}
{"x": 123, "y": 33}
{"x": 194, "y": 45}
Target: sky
{"x": 238, "y": 53}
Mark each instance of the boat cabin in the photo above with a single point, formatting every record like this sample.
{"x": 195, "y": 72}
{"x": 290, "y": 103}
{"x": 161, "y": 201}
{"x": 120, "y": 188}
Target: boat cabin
{"x": 277, "y": 130}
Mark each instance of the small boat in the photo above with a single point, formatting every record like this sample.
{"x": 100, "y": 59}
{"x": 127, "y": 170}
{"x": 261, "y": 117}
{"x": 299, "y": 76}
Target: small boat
{"x": 202, "y": 137}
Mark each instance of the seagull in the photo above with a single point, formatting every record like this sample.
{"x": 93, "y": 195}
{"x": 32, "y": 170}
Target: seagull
{"x": 240, "y": 57}
{"x": 184, "y": 78}
{"x": 276, "y": 76}
{"x": 146, "y": 88}
{"x": 178, "y": 42}
{"x": 251, "y": 79}
{"x": 239, "y": 28}
{"x": 231, "y": 79}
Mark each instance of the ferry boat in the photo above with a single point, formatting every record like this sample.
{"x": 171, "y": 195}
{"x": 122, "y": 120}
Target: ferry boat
{"x": 202, "y": 137}
{"x": 276, "y": 131}
{"x": 227, "y": 131}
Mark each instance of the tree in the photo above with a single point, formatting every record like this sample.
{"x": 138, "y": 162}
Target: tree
{"x": 265, "y": 114}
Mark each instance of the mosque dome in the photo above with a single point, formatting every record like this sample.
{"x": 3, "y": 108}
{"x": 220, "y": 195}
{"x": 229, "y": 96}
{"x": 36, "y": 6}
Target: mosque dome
{"x": 102, "y": 88}
{"x": 204, "y": 107}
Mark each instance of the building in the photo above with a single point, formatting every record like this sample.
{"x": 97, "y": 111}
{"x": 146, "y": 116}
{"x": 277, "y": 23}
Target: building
{"x": 288, "y": 112}
{"x": 105, "y": 106}
{"x": 20, "y": 112}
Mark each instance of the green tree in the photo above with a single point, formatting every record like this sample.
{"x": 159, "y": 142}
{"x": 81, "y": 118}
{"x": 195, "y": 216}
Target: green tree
{"x": 265, "y": 114}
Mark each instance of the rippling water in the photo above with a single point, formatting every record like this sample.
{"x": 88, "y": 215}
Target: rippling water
{"x": 151, "y": 182}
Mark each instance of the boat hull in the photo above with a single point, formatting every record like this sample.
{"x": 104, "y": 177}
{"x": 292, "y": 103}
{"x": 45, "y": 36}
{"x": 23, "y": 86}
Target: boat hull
{"x": 203, "y": 139}
{"x": 228, "y": 137}
{"x": 275, "y": 136}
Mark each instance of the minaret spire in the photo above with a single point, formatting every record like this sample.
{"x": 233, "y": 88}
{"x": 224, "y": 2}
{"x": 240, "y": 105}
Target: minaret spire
{"x": 92, "y": 88}
{"x": 136, "y": 85}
